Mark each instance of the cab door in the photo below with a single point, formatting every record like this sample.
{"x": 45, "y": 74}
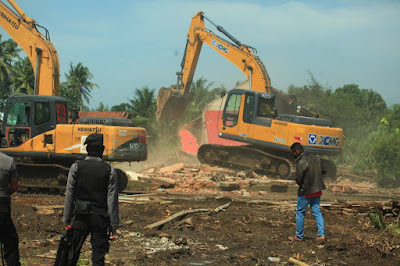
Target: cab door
{"x": 17, "y": 123}
{"x": 42, "y": 121}
{"x": 229, "y": 128}
{"x": 246, "y": 124}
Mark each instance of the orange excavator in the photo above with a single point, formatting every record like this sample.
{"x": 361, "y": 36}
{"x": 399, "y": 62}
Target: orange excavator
{"x": 36, "y": 127}
{"x": 250, "y": 115}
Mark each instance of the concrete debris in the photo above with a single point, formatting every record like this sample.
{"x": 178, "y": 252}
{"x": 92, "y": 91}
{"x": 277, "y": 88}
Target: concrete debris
{"x": 229, "y": 186}
{"x": 182, "y": 177}
{"x": 129, "y": 222}
{"x": 48, "y": 209}
{"x": 164, "y": 182}
{"x": 273, "y": 260}
{"x": 221, "y": 247}
{"x": 172, "y": 168}
{"x": 282, "y": 182}
{"x": 133, "y": 176}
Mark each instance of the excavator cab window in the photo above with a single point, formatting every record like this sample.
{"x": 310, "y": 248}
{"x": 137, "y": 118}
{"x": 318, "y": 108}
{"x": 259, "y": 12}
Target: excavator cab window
{"x": 265, "y": 108}
{"x": 231, "y": 111}
{"x": 18, "y": 114}
{"x": 42, "y": 112}
{"x": 248, "y": 112}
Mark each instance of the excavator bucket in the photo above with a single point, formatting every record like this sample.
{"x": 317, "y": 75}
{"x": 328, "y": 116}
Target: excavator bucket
{"x": 170, "y": 105}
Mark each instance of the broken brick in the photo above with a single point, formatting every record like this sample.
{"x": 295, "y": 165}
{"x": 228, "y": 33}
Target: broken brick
{"x": 172, "y": 168}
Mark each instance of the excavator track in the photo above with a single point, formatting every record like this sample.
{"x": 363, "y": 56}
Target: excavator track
{"x": 42, "y": 178}
{"x": 51, "y": 178}
{"x": 246, "y": 157}
{"x": 277, "y": 164}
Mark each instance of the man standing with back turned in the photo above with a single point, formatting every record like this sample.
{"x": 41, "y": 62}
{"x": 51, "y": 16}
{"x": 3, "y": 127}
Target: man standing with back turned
{"x": 309, "y": 178}
{"x": 91, "y": 202}
{"x": 8, "y": 185}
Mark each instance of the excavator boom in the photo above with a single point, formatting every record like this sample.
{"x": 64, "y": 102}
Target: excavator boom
{"x": 37, "y": 46}
{"x": 172, "y": 102}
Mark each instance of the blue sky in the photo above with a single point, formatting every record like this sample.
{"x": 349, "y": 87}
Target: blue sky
{"x": 131, "y": 44}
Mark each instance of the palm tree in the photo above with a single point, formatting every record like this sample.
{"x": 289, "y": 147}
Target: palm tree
{"x": 122, "y": 107}
{"x": 143, "y": 103}
{"x": 201, "y": 97}
{"x": 200, "y": 91}
{"x": 78, "y": 86}
{"x": 23, "y": 78}
{"x": 218, "y": 91}
{"x": 8, "y": 53}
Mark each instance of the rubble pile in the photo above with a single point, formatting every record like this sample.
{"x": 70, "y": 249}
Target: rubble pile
{"x": 185, "y": 178}
{"x": 182, "y": 177}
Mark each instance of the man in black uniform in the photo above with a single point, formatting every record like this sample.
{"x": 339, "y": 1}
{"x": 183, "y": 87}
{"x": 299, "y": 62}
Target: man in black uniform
{"x": 8, "y": 185}
{"x": 91, "y": 202}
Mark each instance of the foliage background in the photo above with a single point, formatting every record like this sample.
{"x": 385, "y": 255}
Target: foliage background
{"x": 371, "y": 129}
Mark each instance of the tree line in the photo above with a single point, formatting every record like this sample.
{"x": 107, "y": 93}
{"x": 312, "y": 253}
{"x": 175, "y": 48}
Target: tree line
{"x": 371, "y": 128}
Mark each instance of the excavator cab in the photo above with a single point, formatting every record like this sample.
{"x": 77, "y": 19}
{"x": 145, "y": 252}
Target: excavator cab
{"x": 258, "y": 108}
{"x": 27, "y": 116}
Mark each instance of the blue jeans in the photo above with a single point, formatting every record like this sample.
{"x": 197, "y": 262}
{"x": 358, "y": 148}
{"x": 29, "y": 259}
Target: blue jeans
{"x": 302, "y": 204}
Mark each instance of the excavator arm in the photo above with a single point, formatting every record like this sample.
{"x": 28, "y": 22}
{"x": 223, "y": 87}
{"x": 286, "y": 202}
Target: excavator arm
{"x": 172, "y": 102}
{"x": 237, "y": 53}
{"x": 38, "y": 47}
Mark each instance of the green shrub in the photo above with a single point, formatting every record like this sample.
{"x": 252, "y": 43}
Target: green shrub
{"x": 387, "y": 159}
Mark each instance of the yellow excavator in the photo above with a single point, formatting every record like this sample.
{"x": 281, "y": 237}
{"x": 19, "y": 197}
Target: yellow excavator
{"x": 37, "y": 128}
{"x": 250, "y": 115}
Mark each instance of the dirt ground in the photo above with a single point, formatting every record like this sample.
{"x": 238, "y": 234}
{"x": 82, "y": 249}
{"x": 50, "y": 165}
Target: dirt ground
{"x": 252, "y": 230}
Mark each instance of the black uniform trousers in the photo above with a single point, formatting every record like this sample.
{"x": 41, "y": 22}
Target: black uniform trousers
{"x": 8, "y": 234}
{"x": 95, "y": 224}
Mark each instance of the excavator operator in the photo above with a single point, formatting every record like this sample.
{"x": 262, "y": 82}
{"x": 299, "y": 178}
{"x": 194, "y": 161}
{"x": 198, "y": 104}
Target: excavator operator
{"x": 264, "y": 109}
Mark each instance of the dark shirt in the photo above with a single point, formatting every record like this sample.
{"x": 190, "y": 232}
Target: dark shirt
{"x": 112, "y": 194}
{"x": 309, "y": 174}
{"x": 8, "y": 170}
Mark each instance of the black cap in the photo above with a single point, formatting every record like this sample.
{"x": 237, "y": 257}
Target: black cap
{"x": 94, "y": 139}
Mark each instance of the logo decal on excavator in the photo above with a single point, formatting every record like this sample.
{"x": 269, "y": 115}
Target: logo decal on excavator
{"x": 312, "y": 139}
{"x": 322, "y": 140}
{"x": 219, "y": 46}
{"x": 90, "y": 129}
{"x": 9, "y": 20}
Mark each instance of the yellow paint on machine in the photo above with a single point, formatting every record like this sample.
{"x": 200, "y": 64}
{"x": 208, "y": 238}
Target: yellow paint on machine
{"x": 69, "y": 138}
